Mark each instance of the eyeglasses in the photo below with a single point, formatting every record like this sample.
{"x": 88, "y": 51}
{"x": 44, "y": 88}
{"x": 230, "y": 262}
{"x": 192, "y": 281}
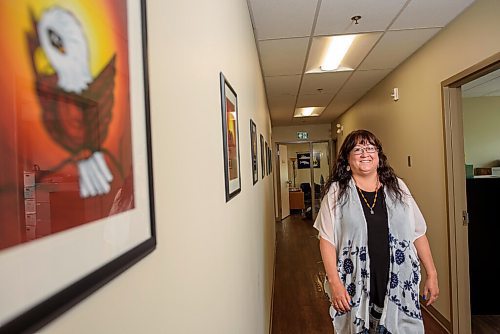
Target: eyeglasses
{"x": 358, "y": 150}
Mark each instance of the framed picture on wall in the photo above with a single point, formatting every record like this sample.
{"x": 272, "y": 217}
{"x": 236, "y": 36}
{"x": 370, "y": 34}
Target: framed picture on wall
{"x": 262, "y": 156}
{"x": 270, "y": 160}
{"x": 76, "y": 191}
{"x": 303, "y": 160}
{"x": 253, "y": 151}
{"x": 230, "y": 134}
{"x": 267, "y": 158}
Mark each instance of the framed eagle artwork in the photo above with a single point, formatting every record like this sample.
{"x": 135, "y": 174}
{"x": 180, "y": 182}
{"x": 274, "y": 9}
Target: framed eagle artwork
{"x": 76, "y": 190}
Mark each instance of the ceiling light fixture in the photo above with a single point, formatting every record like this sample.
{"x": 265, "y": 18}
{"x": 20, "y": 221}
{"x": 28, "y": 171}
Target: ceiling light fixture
{"x": 339, "y": 45}
{"x": 340, "y": 129}
{"x": 308, "y": 111}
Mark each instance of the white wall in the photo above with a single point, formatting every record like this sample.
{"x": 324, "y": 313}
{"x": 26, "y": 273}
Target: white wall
{"x": 212, "y": 270}
{"x": 481, "y": 117}
{"x": 413, "y": 126}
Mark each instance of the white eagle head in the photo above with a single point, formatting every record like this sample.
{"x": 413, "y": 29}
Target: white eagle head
{"x": 63, "y": 41}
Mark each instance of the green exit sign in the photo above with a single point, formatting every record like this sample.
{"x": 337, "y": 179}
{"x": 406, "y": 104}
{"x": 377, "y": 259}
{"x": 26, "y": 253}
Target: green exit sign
{"x": 302, "y": 135}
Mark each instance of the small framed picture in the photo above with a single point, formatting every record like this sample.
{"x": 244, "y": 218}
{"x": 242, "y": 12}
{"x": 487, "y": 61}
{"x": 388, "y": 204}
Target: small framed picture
{"x": 267, "y": 158}
{"x": 230, "y": 134}
{"x": 253, "y": 150}
{"x": 262, "y": 156}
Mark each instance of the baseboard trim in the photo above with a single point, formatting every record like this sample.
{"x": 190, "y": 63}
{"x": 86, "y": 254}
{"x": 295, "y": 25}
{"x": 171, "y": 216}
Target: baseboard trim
{"x": 440, "y": 319}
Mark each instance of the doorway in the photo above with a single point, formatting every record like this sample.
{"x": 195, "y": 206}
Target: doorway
{"x": 462, "y": 201}
{"x": 304, "y": 168}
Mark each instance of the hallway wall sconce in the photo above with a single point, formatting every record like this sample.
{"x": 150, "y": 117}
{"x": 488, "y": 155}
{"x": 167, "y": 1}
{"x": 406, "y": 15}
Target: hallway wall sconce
{"x": 340, "y": 129}
{"x": 395, "y": 94}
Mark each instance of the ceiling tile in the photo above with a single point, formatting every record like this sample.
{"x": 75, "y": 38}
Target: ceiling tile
{"x": 335, "y": 16}
{"x": 282, "y": 102}
{"x": 283, "y": 56}
{"x": 314, "y": 100}
{"x": 282, "y": 85}
{"x": 329, "y": 82}
{"x": 429, "y": 13}
{"x": 396, "y": 46}
{"x": 362, "y": 81}
{"x": 283, "y": 18}
{"x": 281, "y": 116}
{"x": 334, "y": 110}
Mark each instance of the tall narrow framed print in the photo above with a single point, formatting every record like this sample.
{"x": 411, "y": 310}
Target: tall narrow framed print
{"x": 262, "y": 156}
{"x": 267, "y": 158}
{"x": 253, "y": 151}
{"x": 230, "y": 134}
{"x": 76, "y": 188}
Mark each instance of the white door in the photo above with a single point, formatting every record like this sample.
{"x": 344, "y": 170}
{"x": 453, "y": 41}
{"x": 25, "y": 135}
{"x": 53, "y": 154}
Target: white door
{"x": 285, "y": 198}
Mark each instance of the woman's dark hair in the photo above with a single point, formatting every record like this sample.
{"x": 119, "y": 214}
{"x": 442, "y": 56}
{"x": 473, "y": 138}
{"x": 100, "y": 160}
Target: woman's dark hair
{"x": 340, "y": 174}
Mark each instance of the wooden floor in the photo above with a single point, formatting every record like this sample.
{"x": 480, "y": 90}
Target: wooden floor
{"x": 300, "y": 304}
{"x": 486, "y": 324}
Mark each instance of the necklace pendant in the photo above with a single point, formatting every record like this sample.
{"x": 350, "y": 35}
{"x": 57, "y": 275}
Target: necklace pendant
{"x": 371, "y": 211}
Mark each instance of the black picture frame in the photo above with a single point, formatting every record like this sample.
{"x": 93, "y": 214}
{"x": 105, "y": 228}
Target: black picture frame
{"x": 303, "y": 160}
{"x": 270, "y": 160}
{"x": 267, "y": 159}
{"x": 34, "y": 312}
{"x": 230, "y": 135}
{"x": 253, "y": 151}
{"x": 262, "y": 156}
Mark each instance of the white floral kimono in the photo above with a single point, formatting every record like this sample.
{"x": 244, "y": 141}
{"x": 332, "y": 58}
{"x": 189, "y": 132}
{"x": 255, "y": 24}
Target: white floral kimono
{"x": 344, "y": 226}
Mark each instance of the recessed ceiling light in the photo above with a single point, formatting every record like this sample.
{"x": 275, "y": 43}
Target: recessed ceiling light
{"x": 337, "y": 49}
{"x": 308, "y": 111}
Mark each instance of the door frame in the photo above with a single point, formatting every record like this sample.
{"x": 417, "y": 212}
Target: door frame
{"x": 278, "y": 183}
{"x": 456, "y": 191}
{"x": 278, "y": 176}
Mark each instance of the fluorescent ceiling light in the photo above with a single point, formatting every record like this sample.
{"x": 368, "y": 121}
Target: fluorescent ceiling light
{"x": 308, "y": 111}
{"x": 339, "y": 45}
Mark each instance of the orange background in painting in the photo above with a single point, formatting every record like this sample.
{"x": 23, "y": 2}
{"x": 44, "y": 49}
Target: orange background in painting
{"x": 24, "y": 142}
{"x": 232, "y": 134}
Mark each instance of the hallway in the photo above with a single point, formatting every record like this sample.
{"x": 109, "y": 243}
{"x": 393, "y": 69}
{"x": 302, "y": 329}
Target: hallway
{"x": 300, "y": 305}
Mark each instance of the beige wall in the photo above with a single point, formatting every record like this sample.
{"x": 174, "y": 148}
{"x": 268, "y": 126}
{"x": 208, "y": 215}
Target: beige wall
{"x": 413, "y": 125}
{"x": 482, "y": 131}
{"x": 212, "y": 269}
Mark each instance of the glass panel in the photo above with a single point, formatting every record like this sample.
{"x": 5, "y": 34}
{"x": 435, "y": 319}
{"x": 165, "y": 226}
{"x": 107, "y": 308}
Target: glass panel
{"x": 299, "y": 175}
{"x": 321, "y": 171}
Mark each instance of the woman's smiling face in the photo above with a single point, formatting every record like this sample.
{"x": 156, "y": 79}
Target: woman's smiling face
{"x": 363, "y": 159}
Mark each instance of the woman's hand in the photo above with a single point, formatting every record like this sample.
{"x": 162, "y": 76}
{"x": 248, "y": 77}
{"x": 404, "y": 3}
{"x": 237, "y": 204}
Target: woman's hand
{"x": 431, "y": 289}
{"x": 341, "y": 301}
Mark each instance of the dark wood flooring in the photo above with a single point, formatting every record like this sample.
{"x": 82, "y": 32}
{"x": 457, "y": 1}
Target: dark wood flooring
{"x": 300, "y": 304}
{"x": 486, "y": 324}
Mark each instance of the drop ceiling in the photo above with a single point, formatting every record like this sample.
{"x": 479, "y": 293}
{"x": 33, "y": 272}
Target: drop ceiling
{"x": 487, "y": 85}
{"x": 286, "y": 32}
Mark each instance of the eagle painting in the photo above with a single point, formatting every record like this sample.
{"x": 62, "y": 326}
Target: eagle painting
{"x": 76, "y": 107}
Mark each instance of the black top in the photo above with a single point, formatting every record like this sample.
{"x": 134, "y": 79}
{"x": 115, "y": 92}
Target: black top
{"x": 378, "y": 244}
